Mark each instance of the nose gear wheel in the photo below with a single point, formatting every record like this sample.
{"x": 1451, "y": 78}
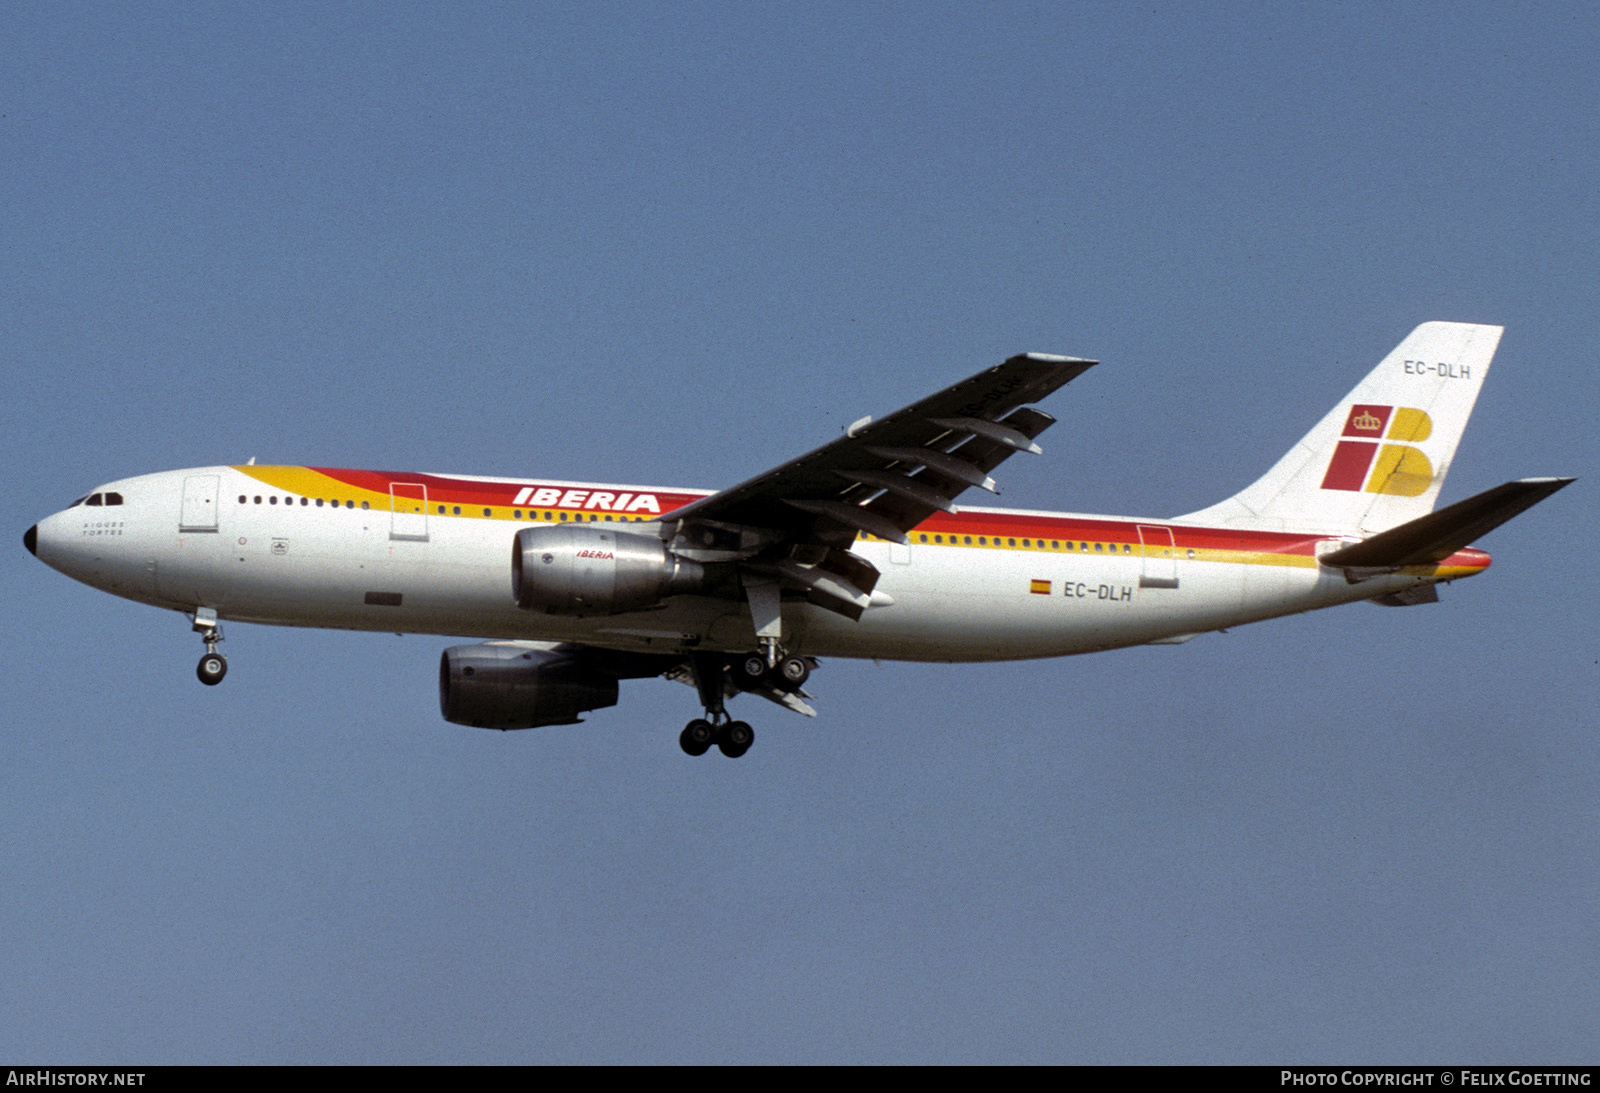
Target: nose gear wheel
{"x": 213, "y": 666}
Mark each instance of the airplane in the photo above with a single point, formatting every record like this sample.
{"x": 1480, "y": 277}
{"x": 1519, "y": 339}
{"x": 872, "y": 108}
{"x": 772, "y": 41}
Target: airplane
{"x": 856, "y": 549}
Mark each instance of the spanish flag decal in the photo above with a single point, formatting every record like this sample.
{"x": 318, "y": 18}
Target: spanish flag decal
{"x": 1039, "y": 588}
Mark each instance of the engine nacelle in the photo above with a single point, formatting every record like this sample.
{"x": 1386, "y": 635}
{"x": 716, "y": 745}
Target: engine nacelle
{"x": 593, "y": 569}
{"x": 503, "y": 685}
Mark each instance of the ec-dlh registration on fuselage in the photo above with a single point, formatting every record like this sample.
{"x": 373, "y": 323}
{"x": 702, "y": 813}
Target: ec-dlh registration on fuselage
{"x": 854, "y": 550}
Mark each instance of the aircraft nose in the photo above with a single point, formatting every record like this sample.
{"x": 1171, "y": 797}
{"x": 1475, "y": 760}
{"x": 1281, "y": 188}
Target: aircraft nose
{"x": 30, "y": 539}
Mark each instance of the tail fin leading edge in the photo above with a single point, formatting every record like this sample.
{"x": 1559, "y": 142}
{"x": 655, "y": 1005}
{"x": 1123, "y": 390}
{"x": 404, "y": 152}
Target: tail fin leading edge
{"x": 1378, "y": 459}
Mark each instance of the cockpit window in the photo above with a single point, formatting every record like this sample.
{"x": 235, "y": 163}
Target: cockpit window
{"x": 78, "y": 502}
{"x": 95, "y": 499}
{"x": 113, "y": 498}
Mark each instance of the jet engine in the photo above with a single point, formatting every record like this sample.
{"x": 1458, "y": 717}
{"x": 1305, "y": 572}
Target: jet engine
{"x": 589, "y": 569}
{"x": 506, "y": 685}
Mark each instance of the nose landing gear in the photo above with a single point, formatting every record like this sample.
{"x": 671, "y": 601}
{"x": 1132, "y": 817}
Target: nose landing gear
{"x": 211, "y": 669}
{"x": 213, "y": 666}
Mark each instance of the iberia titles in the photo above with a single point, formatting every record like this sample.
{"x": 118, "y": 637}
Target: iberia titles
{"x": 605, "y": 501}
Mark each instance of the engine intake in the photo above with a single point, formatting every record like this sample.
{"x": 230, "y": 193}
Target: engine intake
{"x": 584, "y": 569}
{"x": 503, "y": 685}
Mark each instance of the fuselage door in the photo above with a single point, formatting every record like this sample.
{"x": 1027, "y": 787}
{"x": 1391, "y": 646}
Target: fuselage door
{"x": 1160, "y": 557}
{"x": 199, "y": 503}
{"x": 408, "y": 505}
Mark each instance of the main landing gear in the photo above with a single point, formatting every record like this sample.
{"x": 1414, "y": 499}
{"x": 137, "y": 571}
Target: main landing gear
{"x": 716, "y": 727}
{"x": 772, "y": 673}
{"x": 733, "y": 737}
{"x": 213, "y": 666}
{"x": 786, "y": 672}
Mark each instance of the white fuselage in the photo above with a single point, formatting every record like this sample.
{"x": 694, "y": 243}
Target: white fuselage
{"x": 287, "y": 561}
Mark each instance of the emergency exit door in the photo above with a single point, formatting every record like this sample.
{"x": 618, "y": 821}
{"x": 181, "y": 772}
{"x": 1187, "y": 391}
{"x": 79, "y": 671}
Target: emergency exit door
{"x": 408, "y": 507}
{"x": 199, "y": 511}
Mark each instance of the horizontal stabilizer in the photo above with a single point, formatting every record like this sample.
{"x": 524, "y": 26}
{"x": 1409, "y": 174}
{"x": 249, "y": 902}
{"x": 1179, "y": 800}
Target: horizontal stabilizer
{"x": 1438, "y": 535}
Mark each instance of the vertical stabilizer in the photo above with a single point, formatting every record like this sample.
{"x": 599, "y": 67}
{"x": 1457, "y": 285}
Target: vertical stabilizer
{"x": 1380, "y": 456}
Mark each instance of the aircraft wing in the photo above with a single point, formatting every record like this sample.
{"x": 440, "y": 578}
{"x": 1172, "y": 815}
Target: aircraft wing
{"x": 794, "y": 525}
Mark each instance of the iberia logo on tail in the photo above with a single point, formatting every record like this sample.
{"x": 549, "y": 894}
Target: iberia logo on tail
{"x": 1394, "y": 468}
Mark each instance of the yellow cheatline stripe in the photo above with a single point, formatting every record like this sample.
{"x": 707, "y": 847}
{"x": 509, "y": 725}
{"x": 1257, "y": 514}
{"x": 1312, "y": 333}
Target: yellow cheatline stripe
{"x": 1446, "y": 571}
{"x": 1188, "y": 554}
{"x": 1114, "y": 550}
{"x": 309, "y": 483}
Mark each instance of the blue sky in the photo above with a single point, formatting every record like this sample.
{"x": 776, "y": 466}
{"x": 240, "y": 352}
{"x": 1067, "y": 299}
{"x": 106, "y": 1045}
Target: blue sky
{"x": 680, "y": 244}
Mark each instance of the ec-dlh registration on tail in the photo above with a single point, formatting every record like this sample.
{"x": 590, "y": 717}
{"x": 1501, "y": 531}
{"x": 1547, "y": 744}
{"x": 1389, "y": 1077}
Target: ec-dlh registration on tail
{"x": 857, "y": 549}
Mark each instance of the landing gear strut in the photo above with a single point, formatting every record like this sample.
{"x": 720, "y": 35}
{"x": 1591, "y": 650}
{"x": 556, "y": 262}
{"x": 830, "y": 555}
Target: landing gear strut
{"x": 213, "y": 666}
